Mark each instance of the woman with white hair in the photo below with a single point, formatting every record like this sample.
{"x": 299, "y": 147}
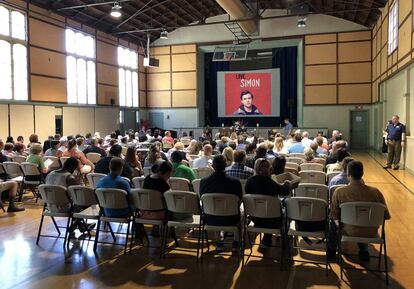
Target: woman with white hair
{"x": 35, "y": 158}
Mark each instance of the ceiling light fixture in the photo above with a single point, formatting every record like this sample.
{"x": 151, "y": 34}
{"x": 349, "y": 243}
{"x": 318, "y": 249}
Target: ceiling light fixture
{"x": 302, "y": 21}
{"x": 164, "y": 34}
{"x": 116, "y": 10}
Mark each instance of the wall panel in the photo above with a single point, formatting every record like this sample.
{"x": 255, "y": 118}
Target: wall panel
{"x": 46, "y": 35}
{"x": 71, "y": 121}
{"x": 158, "y": 98}
{"x": 404, "y": 38}
{"x": 86, "y": 120}
{"x": 355, "y": 72}
{"x": 46, "y": 89}
{"x": 184, "y": 62}
{"x": 184, "y": 80}
{"x": 184, "y": 98}
{"x": 4, "y": 121}
{"x": 321, "y": 53}
{"x": 158, "y": 81}
{"x": 320, "y": 38}
{"x": 320, "y": 94}
{"x": 191, "y": 48}
{"x": 44, "y": 121}
{"x": 354, "y": 36}
{"x": 320, "y": 74}
{"x": 354, "y": 51}
{"x": 21, "y": 120}
{"x": 106, "y": 120}
{"x": 107, "y": 74}
{"x": 354, "y": 93}
{"x": 106, "y": 93}
{"x": 47, "y": 62}
{"x": 106, "y": 53}
{"x": 165, "y": 64}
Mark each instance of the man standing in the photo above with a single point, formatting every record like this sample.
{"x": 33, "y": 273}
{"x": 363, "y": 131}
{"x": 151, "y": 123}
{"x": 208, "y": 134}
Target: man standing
{"x": 247, "y": 107}
{"x": 395, "y": 140}
{"x": 287, "y": 129}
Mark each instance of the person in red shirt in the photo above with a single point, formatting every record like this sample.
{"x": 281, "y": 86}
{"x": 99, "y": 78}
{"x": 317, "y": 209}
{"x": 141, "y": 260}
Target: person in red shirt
{"x": 167, "y": 137}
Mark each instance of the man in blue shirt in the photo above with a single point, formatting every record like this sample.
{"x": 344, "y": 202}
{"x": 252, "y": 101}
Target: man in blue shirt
{"x": 287, "y": 129}
{"x": 114, "y": 181}
{"x": 297, "y": 146}
{"x": 395, "y": 141}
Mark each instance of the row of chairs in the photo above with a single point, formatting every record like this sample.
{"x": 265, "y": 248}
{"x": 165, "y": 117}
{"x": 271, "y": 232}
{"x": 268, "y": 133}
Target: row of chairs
{"x": 302, "y": 209}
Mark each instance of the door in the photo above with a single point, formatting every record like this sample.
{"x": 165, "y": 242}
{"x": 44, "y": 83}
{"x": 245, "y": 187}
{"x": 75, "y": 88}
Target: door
{"x": 359, "y": 129}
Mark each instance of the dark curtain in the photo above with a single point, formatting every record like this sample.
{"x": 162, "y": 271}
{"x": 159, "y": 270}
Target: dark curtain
{"x": 284, "y": 58}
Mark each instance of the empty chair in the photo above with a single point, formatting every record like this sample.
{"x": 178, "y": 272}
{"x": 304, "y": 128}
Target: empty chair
{"x": 294, "y": 166}
{"x": 297, "y": 155}
{"x": 32, "y": 177}
{"x": 318, "y": 191}
{"x": 330, "y": 176}
{"x": 13, "y": 171}
{"x": 203, "y": 172}
{"x": 311, "y": 167}
{"x": 221, "y": 205}
{"x": 263, "y": 207}
{"x": 93, "y": 179}
{"x": 313, "y": 177}
{"x": 93, "y": 157}
{"x": 147, "y": 200}
{"x": 57, "y": 204}
{"x": 295, "y": 160}
{"x": 196, "y": 186}
{"x": 307, "y": 210}
{"x": 85, "y": 202}
{"x": 113, "y": 199}
{"x": 320, "y": 161}
{"x": 18, "y": 159}
{"x": 179, "y": 184}
{"x": 138, "y": 182}
{"x": 63, "y": 160}
{"x": 364, "y": 214}
{"x": 166, "y": 145}
{"x": 54, "y": 165}
{"x": 181, "y": 202}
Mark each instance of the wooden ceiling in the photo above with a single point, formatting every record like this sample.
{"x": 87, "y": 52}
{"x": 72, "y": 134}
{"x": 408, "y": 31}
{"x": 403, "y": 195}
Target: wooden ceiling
{"x": 171, "y": 14}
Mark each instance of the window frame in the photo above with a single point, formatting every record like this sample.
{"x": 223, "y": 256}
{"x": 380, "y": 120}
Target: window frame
{"x": 86, "y": 59}
{"x": 12, "y": 41}
{"x": 132, "y": 70}
{"x": 392, "y": 44}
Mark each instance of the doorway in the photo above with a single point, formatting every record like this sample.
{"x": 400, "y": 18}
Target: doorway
{"x": 359, "y": 130}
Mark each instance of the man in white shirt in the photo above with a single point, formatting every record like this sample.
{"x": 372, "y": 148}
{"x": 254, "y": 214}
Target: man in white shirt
{"x": 204, "y": 161}
{"x": 305, "y": 139}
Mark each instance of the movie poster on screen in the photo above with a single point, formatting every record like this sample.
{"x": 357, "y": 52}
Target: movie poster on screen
{"x": 248, "y": 94}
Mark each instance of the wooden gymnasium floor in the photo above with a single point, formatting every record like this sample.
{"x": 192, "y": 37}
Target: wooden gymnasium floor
{"x": 25, "y": 265}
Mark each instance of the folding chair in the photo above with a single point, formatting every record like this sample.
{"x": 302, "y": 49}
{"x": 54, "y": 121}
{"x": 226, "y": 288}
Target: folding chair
{"x": 266, "y": 207}
{"x": 183, "y": 202}
{"x": 297, "y": 155}
{"x": 57, "y": 204}
{"x": 14, "y": 173}
{"x": 179, "y": 184}
{"x": 93, "y": 179}
{"x": 3, "y": 174}
{"x": 113, "y": 199}
{"x": 148, "y": 200}
{"x": 55, "y": 162}
{"x": 307, "y": 210}
{"x": 313, "y": 177}
{"x": 364, "y": 214}
{"x": 18, "y": 159}
{"x": 330, "y": 176}
{"x": 196, "y": 186}
{"x": 317, "y": 191}
{"x": 320, "y": 161}
{"x": 203, "y": 172}
{"x": 292, "y": 165}
{"x": 295, "y": 160}
{"x": 93, "y": 157}
{"x": 166, "y": 145}
{"x": 32, "y": 177}
{"x": 147, "y": 171}
{"x": 138, "y": 182}
{"x": 311, "y": 167}
{"x": 221, "y": 205}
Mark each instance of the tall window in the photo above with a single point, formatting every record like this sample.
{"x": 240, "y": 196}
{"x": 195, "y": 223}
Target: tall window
{"x": 80, "y": 68}
{"x": 128, "y": 77}
{"x": 13, "y": 55}
{"x": 393, "y": 28}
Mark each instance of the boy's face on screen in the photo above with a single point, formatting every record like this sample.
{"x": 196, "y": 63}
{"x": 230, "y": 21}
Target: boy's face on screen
{"x": 247, "y": 100}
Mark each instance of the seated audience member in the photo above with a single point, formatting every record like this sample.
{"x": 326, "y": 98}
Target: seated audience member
{"x": 232, "y": 145}
{"x": 322, "y": 148}
{"x": 305, "y": 139}
{"x": 241, "y": 143}
{"x": 191, "y": 146}
{"x": 113, "y": 180}
{"x": 178, "y": 147}
{"x": 325, "y": 141}
{"x": 88, "y": 139}
{"x": 270, "y": 155}
{"x": 8, "y": 190}
{"x": 278, "y": 165}
{"x": 340, "y": 155}
{"x": 261, "y": 183}
{"x": 342, "y": 178}
{"x": 219, "y": 182}
{"x": 94, "y": 148}
{"x": 8, "y": 149}
{"x": 46, "y": 143}
{"x": 333, "y": 156}
{"x": 132, "y": 160}
{"x": 260, "y": 153}
{"x": 86, "y": 165}
{"x": 167, "y": 138}
{"x": 80, "y": 142}
{"x": 3, "y": 158}
{"x": 204, "y": 160}
{"x": 149, "y": 135}
{"x": 239, "y": 170}
{"x": 335, "y": 133}
{"x": 223, "y": 144}
{"x": 250, "y": 151}
{"x": 180, "y": 170}
{"x": 54, "y": 148}
{"x": 35, "y": 158}
{"x": 153, "y": 157}
{"x": 357, "y": 191}
{"x": 228, "y": 155}
{"x": 314, "y": 148}
{"x": 195, "y": 149}
{"x": 63, "y": 147}
{"x": 162, "y": 154}
{"x": 309, "y": 156}
{"x": 103, "y": 165}
{"x": 64, "y": 176}
{"x": 18, "y": 149}
{"x": 297, "y": 146}
{"x": 279, "y": 147}
{"x": 20, "y": 140}
{"x": 10, "y": 140}
{"x": 33, "y": 138}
